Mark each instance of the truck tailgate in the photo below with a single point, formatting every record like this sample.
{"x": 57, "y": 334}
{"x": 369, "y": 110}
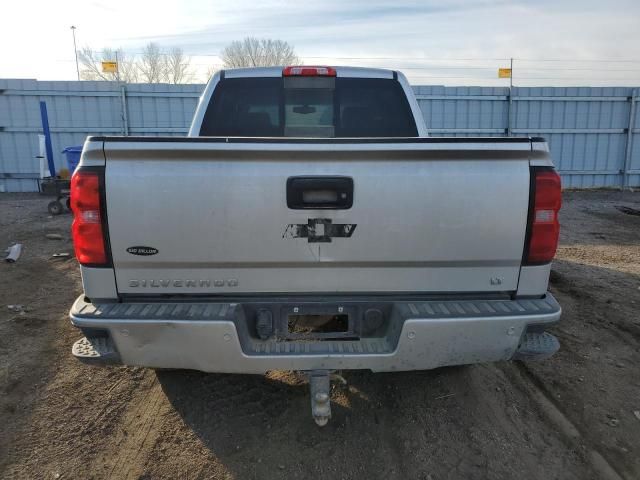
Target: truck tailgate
{"x": 207, "y": 216}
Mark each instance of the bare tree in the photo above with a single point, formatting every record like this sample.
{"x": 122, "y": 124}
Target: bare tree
{"x": 152, "y": 64}
{"x": 177, "y": 67}
{"x": 92, "y": 65}
{"x": 211, "y": 71}
{"x": 255, "y": 52}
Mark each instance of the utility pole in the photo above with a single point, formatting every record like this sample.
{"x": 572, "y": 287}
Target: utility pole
{"x": 117, "y": 67}
{"x": 511, "y": 75}
{"x": 75, "y": 50}
{"x": 510, "y": 112}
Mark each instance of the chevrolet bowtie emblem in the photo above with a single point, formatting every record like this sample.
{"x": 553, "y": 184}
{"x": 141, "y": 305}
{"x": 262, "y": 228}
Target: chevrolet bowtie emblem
{"x": 319, "y": 230}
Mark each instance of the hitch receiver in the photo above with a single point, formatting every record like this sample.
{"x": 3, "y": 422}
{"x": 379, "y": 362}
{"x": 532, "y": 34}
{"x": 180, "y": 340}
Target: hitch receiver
{"x": 320, "y": 384}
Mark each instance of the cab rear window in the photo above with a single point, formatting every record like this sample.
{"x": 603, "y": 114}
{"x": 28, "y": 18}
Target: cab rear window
{"x": 312, "y": 107}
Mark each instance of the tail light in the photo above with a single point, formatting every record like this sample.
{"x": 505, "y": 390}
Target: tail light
{"x": 308, "y": 71}
{"x": 89, "y": 226}
{"x": 544, "y": 227}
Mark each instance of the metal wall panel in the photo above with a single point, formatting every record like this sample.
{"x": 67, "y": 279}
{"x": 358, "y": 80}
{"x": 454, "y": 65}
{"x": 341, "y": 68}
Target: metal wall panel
{"x": 464, "y": 111}
{"x": 587, "y": 128}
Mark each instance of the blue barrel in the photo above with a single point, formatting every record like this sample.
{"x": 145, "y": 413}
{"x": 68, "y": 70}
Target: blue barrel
{"x": 73, "y": 157}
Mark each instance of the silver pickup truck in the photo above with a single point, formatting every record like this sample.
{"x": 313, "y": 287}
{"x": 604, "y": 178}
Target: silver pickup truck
{"x": 309, "y": 223}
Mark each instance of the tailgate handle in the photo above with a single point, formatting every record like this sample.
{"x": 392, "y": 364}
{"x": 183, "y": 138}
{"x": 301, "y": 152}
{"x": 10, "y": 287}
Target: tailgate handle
{"x": 319, "y": 193}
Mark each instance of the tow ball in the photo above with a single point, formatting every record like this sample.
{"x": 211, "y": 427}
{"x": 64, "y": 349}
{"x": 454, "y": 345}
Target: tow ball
{"x": 320, "y": 386}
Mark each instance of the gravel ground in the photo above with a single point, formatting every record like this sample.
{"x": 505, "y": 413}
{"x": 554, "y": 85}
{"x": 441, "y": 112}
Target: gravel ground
{"x": 574, "y": 416}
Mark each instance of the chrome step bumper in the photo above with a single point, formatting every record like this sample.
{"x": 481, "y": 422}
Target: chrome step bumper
{"x": 96, "y": 351}
{"x": 536, "y": 346}
{"x": 211, "y": 336}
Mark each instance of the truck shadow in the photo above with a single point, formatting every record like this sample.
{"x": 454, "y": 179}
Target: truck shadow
{"x": 384, "y": 425}
{"x": 261, "y": 426}
{"x": 257, "y": 405}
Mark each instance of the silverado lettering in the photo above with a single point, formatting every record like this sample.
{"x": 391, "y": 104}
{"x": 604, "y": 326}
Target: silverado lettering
{"x": 182, "y": 283}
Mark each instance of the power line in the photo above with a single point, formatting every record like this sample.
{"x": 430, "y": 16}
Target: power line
{"x": 571, "y": 69}
{"x": 446, "y": 67}
{"x": 457, "y": 67}
{"x": 521, "y": 78}
{"x": 421, "y": 68}
{"x": 595, "y": 60}
{"x": 424, "y": 59}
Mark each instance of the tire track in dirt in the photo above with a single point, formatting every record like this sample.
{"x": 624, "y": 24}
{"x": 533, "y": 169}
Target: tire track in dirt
{"x": 137, "y": 433}
{"x": 520, "y": 375}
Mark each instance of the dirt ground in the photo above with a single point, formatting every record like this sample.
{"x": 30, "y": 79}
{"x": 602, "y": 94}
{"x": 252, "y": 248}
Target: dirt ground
{"x": 575, "y": 416}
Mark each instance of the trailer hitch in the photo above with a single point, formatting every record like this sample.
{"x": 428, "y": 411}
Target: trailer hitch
{"x": 320, "y": 386}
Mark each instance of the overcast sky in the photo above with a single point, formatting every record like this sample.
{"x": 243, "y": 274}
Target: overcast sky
{"x": 433, "y": 42}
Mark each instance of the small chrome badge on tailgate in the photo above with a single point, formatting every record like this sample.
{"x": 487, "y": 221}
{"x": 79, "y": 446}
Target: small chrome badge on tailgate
{"x": 144, "y": 251}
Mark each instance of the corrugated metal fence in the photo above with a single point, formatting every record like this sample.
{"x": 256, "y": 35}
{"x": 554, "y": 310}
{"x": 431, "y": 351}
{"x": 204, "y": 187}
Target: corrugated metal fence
{"x": 590, "y": 130}
{"x": 78, "y": 109}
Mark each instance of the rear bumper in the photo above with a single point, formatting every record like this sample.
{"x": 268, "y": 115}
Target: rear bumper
{"x": 210, "y": 336}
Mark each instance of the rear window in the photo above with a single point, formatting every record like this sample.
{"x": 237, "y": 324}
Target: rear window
{"x": 314, "y": 107}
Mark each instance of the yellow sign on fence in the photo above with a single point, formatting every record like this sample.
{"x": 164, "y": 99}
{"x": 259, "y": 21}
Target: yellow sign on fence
{"x": 109, "y": 67}
{"x": 504, "y": 73}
